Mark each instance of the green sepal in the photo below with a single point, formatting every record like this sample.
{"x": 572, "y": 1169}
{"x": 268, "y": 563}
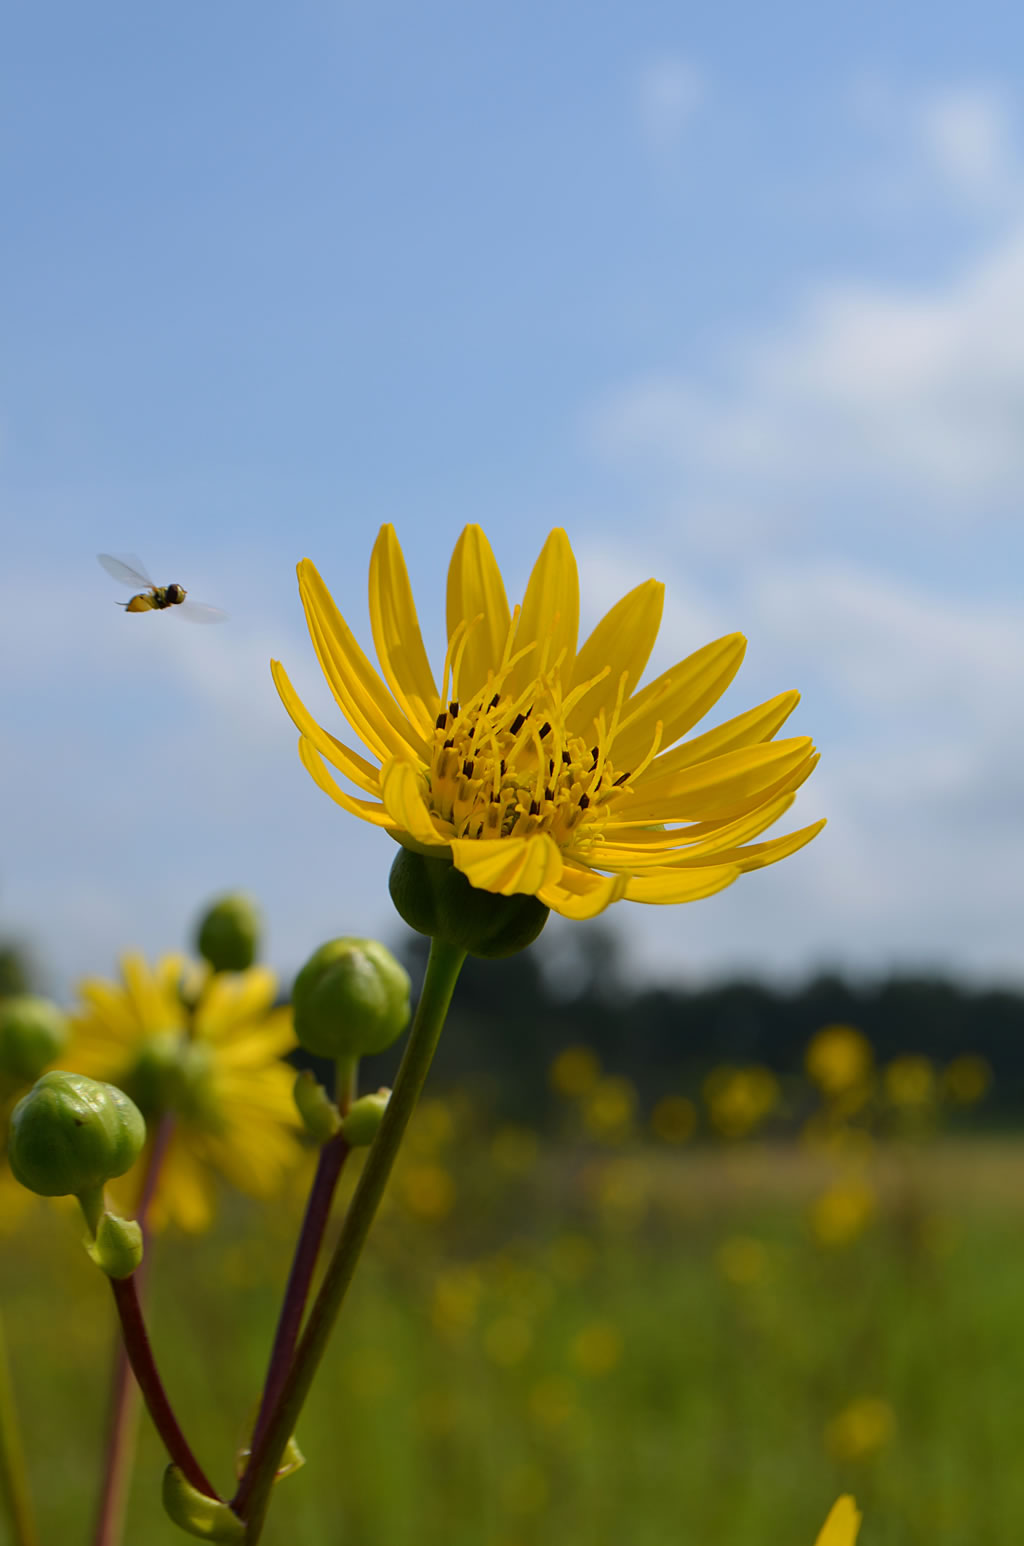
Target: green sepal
{"x": 436, "y": 899}
{"x": 320, "y": 1116}
{"x": 362, "y": 1120}
{"x": 351, "y": 998}
{"x": 292, "y": 1460}
{"x": 117, "y": 1246}
{"x": 197, "y": 1514}
{"x": 229, "y": 933}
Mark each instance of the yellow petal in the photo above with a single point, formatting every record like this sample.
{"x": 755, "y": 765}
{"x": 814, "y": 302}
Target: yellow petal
{"x": 706, "y": 837}
{"x": 842, "y": 1525}
{"x": 667, "y": 886}
{"x": 512, "y": 866}
{"x": 476, "y": 595}
{"x": 550, "y": 618}
{"x": 402, "y": 789}
{"x": 581, "y": 894}
{"x": 624, "y": 635}
{"x": 756, "y": 855}
{"x": 231, "y": 998}
{"x": 358, "y": 691}
{"x": 368, "y": 810}
{"x": 715, "y": 787}
{"x": 396, "y": 633}
{"x": 748, "y": 729}
{"x": 362, "y": 773}
{"x": 677, "y": 699}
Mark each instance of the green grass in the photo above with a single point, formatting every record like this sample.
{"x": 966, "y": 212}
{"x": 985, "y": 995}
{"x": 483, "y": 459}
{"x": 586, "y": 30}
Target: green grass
{"x": 562, "y": 1361}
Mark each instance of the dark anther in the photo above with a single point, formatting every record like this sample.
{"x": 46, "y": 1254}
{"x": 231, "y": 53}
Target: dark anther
{"x": 453, "y": 709}
{"x": 518, "y": 723}
{"x": 440, "y": 721}
{"x": 448, "y": 744}
{"x": 566, "y": 758}
{"x": 494, "y": 702}
{"x": 584, "y": 801}
{"x": 467, "y": 768}
{"x": 593, "y": 753}
{"x": 623, "y": 778}
{"x": 501, "y": 767}
{"x": 534, "y": 808}
{"x": 545, "y": 727}
{"x": 549, "y": 794}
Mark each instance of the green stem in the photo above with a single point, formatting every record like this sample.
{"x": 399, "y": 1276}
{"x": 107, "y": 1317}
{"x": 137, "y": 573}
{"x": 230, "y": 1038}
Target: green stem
{"x": 443, "y": 969}
{"x": 13, "y": 1474}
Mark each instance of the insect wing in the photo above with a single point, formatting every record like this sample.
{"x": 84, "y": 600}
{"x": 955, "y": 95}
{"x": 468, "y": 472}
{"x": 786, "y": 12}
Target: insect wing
{"x": 126, "y": 570}
{"x": 199, "y": 612}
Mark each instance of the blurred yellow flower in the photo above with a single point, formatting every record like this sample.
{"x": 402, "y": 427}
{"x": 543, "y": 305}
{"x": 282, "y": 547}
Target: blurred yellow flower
{"x": 860, "y": 1429}
{"x": 842, "y": 1525}
{"x": 967, "y": 1079}
{"x": 742, "y": 1259}
{"x": 215, "y": 1068}
{"x": 843, "y": 1212}
{"x": 540, "y": 767}
{"x": 575, "y": 1071}
{"x": 738, "y": 1099}
{"x": 608, "y": 1109}
{"x": 597, "y": 1348}
{"x": 427, "y": 1190}
{"x": 838, "y": 1058}
{"x": 515, "y": 1150}
{"x": 910, "y": 1081}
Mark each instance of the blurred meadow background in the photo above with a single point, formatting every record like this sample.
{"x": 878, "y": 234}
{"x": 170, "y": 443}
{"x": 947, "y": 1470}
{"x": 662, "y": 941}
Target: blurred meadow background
{"x": 712, "y": 1211}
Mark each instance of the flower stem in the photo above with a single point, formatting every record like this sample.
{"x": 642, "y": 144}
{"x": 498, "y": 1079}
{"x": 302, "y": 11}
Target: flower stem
{"x": 13, "y": 1473}
{"x": 443, "y": 968}
{"x": 332, "y": 1158}
{"x": 122, "y": 1424}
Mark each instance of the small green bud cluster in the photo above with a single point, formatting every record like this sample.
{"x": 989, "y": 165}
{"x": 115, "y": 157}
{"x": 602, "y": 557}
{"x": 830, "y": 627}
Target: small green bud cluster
{"x": 350, "y": 999}
{"x": 435, "y": 898}
{"x": 229, "y": 933}
{"x": 32, "y": 1034}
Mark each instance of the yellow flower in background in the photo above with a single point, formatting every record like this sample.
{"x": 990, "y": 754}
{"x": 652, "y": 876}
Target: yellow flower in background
{"x": 540, "y": 766}
{"x": 967, "y": 1079}
{"x": 216, "y": 1069}
{"x": 842, "y": 1525}
{"x": 860, "y": 1429}
{"x": 739, "y": 1099}
{"x": 838, "y": 1058}
{"x": 910, "y": 1081}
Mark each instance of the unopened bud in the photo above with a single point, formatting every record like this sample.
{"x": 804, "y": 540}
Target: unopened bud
{"x": 351, "y": 998}
{"x": 32, "y": 1033}
{"x": 70, "y": 1135}
{"x": 229, "y": 933}
{"x": 116, "y": 1246}
{"x": 195, "y": 1513}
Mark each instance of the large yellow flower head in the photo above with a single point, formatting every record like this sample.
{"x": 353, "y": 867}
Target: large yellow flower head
{"x": 539, "y": 765}
{"x": 210, "y": 1059}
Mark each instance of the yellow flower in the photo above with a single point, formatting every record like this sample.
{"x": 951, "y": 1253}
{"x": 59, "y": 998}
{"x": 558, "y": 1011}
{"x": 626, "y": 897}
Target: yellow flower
{"x": 842, "y": 1524}
{"x": 215, "y": 1069}
{"x": 539, "y": 767}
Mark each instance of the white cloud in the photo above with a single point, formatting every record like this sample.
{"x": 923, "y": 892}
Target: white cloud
{"x": 669, "y": 92}
{"x": 864, "y": 387}
{"x": 968, "y": 134}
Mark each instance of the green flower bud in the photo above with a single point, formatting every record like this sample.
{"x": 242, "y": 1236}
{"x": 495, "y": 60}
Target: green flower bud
{"x": 351, "y": 998}
{"x": 70, "y": 1135}
{"x": 229, "y": 933}
{"x": 196, "y": 1514}
{"x": 117, "y": 1246}
{"x": 435, "y": 898}
{"x": 32, "y": 1033}
{"x": 319, "y": 1114}
{"x": 174, "y": 1074}
{"x": 363, "y": 1118}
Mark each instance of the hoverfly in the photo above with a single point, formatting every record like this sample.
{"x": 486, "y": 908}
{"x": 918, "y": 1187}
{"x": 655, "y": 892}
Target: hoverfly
{"x": 156, "y": 598}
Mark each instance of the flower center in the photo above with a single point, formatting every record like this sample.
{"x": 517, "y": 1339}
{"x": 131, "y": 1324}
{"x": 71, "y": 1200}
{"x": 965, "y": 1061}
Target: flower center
{"x": 505, "y": 766}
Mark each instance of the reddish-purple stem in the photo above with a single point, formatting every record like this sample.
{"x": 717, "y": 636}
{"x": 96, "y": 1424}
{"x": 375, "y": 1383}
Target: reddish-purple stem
{"x": 318, "y": 1208}
{"x": 124, "y": 1395}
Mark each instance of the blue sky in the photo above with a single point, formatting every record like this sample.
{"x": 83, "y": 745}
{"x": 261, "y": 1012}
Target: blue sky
{"x": 736, "y": 297}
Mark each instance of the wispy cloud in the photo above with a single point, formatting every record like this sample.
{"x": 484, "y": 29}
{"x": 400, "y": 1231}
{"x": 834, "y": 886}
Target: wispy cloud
{"x": 669, "y": 91}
